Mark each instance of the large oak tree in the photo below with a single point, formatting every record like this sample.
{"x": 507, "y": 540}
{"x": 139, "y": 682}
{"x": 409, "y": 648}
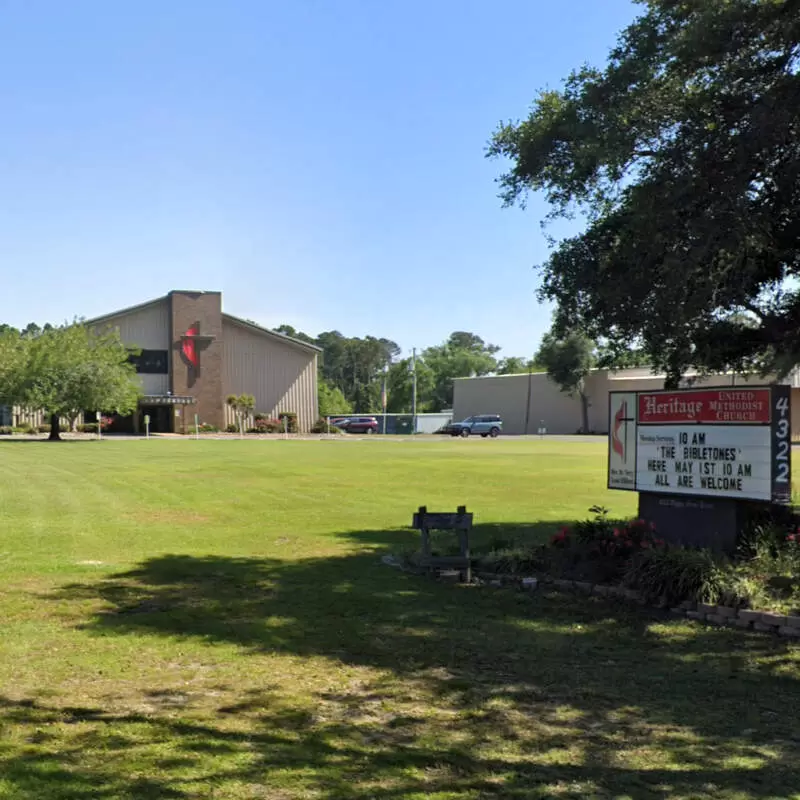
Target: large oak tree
{"x": 684, "y": 155}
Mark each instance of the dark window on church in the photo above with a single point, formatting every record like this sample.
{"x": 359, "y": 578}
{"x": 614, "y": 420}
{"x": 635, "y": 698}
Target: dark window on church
{"x": 5, "y": 416}
{"x": 151, "y": 362}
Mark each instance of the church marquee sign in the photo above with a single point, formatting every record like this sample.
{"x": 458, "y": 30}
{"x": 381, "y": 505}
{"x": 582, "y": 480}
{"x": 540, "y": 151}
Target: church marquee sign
{"x": 731, "y": 442}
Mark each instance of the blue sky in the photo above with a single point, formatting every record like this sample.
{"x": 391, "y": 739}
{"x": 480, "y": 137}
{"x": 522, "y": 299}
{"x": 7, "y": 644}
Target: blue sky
{"x": 319, "y": 161}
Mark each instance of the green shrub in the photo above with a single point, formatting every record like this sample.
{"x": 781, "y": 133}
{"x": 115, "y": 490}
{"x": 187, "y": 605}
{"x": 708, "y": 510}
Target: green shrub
{"x": 6, "y": 430}
{"x": 514, "y": 561}
{"x": 43, "y": 428}
{"x": 291, "y": 421}
{"x": 26, "y": 429}
{"x": 232, "y": 428}
{"x": 87, "y": 427}
{"x": 676, "y": 574}
{"x": 207, "y": 427}
{"x": 762, "y": 541}
{"x": 767, "y": 574}
{"x": 321, "y": 426}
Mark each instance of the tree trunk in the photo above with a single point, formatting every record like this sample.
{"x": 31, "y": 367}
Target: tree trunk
{"x": 584, "y": 413}
{"x": 55, "y": 429}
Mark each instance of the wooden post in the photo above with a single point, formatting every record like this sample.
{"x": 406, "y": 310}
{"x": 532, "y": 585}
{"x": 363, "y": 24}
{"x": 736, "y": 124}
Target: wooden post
{"x": 459, "y": 523}
{"x": 463, "y": 542}
{"x": 426, "y": 536}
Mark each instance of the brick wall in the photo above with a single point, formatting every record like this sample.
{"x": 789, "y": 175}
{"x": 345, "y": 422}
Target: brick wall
{"x": 203, "y": 382}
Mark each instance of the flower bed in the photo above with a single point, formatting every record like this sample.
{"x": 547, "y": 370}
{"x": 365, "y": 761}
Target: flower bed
{"x": 629, "y": 553}
{"x": 759, "y": 589}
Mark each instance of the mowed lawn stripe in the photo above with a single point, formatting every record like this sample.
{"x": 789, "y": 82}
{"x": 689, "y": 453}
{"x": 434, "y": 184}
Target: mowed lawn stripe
{"x": 239, "y": 637}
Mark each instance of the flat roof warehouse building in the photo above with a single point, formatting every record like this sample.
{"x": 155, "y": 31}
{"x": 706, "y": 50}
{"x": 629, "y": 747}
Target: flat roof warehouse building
{"x": 529, "y": 401}
{"x": 193, "y": 355}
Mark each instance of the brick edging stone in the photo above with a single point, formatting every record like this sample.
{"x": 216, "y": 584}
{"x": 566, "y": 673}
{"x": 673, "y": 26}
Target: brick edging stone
{"x": 742, "y": 618}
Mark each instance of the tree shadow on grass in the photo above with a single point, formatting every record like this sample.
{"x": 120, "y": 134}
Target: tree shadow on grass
{"x": 484, "y": 537}
{"x": 487, "y": 693}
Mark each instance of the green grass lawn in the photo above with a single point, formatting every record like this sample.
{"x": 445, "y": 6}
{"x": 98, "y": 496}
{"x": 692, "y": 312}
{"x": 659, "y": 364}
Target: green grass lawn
{"x": 187, "y": 619}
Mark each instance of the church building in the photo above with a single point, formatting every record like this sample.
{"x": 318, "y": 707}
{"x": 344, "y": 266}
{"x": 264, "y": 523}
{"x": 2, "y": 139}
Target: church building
{"x": 193, "y": 355}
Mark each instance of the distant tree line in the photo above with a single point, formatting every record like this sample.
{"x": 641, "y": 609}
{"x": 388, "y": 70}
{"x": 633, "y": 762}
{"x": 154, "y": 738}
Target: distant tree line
{"x": 351, "y": 370}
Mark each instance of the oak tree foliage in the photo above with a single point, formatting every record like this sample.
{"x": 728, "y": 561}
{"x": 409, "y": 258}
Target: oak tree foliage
{"x": 683, "y": 153}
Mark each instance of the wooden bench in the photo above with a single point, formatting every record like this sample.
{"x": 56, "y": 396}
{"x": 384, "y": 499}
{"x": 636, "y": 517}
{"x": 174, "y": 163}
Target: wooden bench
{"x": 461, "y": 523}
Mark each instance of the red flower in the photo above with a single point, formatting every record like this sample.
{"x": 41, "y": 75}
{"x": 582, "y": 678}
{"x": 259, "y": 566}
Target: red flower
{"x": 616, "y": 531}
{"x": 792, "y": 537}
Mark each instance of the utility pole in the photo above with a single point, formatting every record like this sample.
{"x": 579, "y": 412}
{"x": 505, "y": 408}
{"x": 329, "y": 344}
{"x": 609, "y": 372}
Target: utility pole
{"x": 384, "y": 396}
{"x": 414, "y": 388}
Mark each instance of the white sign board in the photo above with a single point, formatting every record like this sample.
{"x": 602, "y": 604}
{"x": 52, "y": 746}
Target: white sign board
{"x": 732, "y": 443}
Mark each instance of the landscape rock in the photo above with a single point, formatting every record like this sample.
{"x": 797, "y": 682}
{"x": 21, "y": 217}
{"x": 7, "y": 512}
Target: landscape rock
{"x": 563, "y": 584}
{"x": 705, "y": 608}
{"x": 716, "y": 619}
{"x": 749, "y": 616}
{"x": 698, "y": 615}
{"x": 583, "y": 586}
{"x": 742, "y": 623}
{"x": 776, "y": 620}
{"x": 793, "y": 622}
{"x": 726, "y": 611}
{"x": 786, "y": 630}
{"x": 760, "y": 626}
{"x": 530, "y": 584}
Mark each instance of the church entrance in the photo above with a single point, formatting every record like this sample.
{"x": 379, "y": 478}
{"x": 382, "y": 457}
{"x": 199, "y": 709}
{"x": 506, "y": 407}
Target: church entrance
{"x": 160, "y": 418}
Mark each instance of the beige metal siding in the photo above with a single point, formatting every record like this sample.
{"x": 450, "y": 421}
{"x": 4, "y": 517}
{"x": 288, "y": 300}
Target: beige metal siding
{"x": 561, "y": 414}
{"x": 147, "y": 328}
{"x": 24, "y": 416}
{"x": 281, "y": 376}
{"x": 507, "y": 396}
